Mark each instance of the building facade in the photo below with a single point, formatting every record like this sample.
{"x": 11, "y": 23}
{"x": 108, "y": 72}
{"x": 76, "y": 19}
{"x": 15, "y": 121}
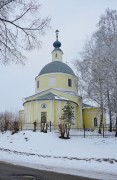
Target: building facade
{"x": 55, "y": 85}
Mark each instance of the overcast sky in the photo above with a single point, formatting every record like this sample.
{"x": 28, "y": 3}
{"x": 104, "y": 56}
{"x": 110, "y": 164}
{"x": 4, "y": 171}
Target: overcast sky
{"x": 76, "y": 21}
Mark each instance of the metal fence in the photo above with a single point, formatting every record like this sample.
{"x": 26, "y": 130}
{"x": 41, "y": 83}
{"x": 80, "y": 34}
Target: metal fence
{"x": 50, "y": 127}
{"x": 74, "y": 132}
{"x": 84, "y": 132}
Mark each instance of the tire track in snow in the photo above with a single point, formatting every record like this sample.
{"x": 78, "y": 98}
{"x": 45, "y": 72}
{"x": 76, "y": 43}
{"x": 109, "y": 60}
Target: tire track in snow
{"x": 109, "y": 160}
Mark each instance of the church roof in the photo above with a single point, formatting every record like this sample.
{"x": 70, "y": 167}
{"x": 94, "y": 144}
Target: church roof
{"x": 56, "y": 67}
{"x": 87, "y": 106}
{"x": 46, "y": 96}
{"x": 50, "y": 96}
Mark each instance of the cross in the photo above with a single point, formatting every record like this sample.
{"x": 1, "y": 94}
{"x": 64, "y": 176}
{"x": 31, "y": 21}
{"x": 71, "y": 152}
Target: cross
{"x": 57, "y": 31}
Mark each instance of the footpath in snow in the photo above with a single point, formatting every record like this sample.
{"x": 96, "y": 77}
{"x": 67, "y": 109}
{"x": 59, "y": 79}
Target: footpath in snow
{"x": 90, "y": 157}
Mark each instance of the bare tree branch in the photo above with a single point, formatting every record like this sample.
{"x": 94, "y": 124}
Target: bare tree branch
{"x": 4, "y": 3}
{"x": 21, "y": 27}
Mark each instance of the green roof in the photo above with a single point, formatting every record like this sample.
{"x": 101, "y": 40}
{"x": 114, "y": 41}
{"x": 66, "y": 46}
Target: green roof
{"x": 57, "y": 67}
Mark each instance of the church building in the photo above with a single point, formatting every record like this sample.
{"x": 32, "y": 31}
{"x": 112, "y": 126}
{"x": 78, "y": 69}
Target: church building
{"x": 55, "y": 85}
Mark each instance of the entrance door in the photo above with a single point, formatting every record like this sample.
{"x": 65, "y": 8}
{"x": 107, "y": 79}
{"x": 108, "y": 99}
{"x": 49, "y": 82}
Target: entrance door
{"x": 43, "y": 117}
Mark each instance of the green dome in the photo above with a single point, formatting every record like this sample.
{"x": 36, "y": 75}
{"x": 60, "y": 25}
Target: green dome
{"x": 56, "y": 67}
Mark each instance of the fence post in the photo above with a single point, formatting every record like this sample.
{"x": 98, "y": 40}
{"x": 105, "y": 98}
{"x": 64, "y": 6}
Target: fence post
{"x": 21, "y": 125}
{"x": 84, "y": 130}
{"x": 46, "y": 127}
{"x": 35, "y": 124}
{"x": 103, "y": 130}
{"x": 50, "y": 126}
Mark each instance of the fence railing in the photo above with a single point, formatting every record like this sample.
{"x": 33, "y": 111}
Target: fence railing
{"x": 84, "y": 132}
{"x": 39, "y": 126}
{"x": 50, "y": 127}
{"x": 78, "y": 132}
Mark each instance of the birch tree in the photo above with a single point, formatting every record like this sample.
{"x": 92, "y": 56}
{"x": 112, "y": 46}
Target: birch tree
{"x": 107, "y": 35}
{"x": 98, "y": 64}
{"x": 21, "y": 27}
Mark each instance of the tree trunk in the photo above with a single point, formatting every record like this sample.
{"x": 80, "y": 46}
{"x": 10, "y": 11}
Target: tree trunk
{"x": 110, "y": 113}
{"x": 101, "y": 122}
{"x": 110, "y": 125}
{"x": 116, "y": 127}
{"x": 102, "y": 107}
{"x": 68, "y": 129}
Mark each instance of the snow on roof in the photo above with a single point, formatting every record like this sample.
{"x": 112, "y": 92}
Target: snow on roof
{"x": 60, "y": 97}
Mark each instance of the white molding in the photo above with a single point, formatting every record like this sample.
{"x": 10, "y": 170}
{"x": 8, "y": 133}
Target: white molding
{"x": 57, "y": 73}
{"x": 36, "y": 111}
{"x": 59, "y": 107}
{"x": 51, "y": 118}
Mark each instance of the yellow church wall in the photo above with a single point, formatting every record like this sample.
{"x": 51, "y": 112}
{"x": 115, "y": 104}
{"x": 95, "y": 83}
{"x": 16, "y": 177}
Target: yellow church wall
{"x": 21, "y": 115}
{"x": 59, "y": 81}
{"x": 33, "y": 109}
{"x": 54, "y": 112}
{"x": 54, "y": 108}
{"x": 88, "y": 117}
{"x": 78, "y": 102}
{"x": 58, "y": 113}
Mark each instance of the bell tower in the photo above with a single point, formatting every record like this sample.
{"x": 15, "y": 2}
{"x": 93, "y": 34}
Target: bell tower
{"x": 57, "y": 52}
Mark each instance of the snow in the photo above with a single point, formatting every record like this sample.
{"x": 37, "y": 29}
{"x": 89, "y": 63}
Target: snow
{"x": 60, "y": 97}
{"x": 90, "y": 157}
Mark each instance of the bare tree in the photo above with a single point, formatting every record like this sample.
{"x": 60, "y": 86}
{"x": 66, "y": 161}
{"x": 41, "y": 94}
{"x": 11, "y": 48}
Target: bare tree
{"x": 107, "y": 36}
{"x": 21, "y": 27}
{"x": 98, "y": 65}
{"x": 10, "y": 121}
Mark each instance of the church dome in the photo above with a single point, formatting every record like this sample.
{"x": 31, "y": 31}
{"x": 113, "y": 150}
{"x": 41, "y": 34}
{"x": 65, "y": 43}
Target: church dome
{"x": 56, "y": 67}
{"x": 57, "y": 44}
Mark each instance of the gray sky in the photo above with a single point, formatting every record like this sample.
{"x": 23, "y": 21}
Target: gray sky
{"x": 76, "y": 20}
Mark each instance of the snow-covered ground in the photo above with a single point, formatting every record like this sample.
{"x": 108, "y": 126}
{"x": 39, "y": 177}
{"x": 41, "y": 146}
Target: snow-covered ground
{"x": 90, "y": 157}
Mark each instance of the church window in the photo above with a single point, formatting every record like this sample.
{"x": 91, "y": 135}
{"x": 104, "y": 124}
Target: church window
{"x": 95, "y": 122}
{"x": 69, "y": 82}
{"x": 37, "y": 84}
{"x": 56, "y": 55}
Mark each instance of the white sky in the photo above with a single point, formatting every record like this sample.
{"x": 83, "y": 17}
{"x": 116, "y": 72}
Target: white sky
{"x": 76, "y": 20}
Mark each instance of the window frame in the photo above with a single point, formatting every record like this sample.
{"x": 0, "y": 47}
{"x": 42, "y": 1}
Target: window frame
{"x": 95, "y": 122}
{"x": 69, "y": 82}
{"x": 37, "y": 84}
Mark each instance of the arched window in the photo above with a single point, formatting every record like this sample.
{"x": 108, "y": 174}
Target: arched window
{"x": 56, "y": 55}
{"x": 95, "y": 122}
